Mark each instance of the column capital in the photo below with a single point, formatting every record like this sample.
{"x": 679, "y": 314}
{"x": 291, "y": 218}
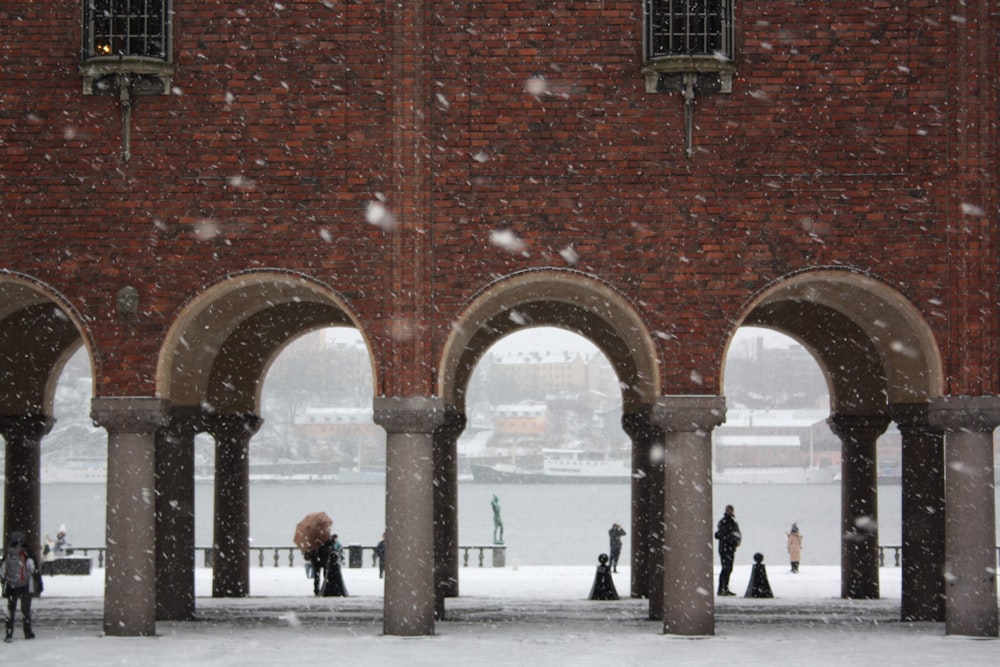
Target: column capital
{"x": 129, "y": 414}
{"x": 977, "y": 414}
{"x": 688, "y": 414}
{"x": 32, "y": 426}
{"x": 910, "y": 415}
{"x": 409, "y": 414}
{"x": 639, "y": 424}
{"x": 848, "y": 425}
{"x": 223, "y": 426}
{"x": 453, "y": 424}
{"x": 185, "y": 420}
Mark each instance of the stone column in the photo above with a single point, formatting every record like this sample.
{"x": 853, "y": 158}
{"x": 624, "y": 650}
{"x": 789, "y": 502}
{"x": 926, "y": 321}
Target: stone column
{"x": 175, "y": 557}
{"x": 446, "y": 507}
{"x": 970, "y": 513}
{"x": 410, "y": 423}
{"x": 858, "y": 503}
{"x": 22, "y": 503}
{"x": 687, "y": 423}
{"x": 231, "y": 533}
{"x": 130, "y": 566}
{"x": 923, "y": 519}
{"x": 647, "y": 507}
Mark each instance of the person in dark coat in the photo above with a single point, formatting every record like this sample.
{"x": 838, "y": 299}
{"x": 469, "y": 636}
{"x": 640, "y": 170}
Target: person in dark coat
{"x": 759, "y": 586}
{"x": 616, "y": 533}
{"x": 380, "y": 556}
{"x": 334, "y": 584}
{"x": 316, "y": 562}
{"x": 20, "y": 583}
{"x": 729, "y": 537}
{"x": 604, "y": 585}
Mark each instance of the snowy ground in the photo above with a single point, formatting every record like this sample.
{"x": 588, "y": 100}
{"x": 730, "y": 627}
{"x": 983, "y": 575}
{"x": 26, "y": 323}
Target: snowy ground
{"x": 509, "y": 616}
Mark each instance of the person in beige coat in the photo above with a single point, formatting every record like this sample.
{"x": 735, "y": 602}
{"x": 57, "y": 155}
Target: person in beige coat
{"x": 795, "y": 547}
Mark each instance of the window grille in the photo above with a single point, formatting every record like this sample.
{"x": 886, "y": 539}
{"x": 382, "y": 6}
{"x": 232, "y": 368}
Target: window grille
{"x": 126, "y": 28}
{"x": 126, "y": 52}
{"x": 689, "y": 28}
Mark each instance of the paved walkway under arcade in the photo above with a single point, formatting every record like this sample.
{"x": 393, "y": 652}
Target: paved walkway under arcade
{"x": 508, "y": 616}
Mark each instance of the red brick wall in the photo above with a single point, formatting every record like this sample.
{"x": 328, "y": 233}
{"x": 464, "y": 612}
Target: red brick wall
{"x": 857, "y": 135}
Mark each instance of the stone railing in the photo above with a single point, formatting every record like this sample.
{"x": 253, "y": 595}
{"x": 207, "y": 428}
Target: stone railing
{"x": 274, "y": 556}
{"x": 290, "y": 556}
{"x": 897, "y": 554}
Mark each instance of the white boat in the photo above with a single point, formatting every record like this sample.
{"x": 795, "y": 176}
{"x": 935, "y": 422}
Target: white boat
{"x": 577, "y": 466}
{"x": 776, "y": 476}
{"x": 560, "y": 466}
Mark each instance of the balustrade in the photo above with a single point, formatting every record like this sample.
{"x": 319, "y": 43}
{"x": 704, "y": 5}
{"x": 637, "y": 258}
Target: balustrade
{"x": 274, "y": 555}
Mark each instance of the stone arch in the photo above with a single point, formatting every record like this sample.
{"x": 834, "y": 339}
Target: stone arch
{"x": 561, "y": 298}
{"x": 39, "y": 332}
{"x": 210, "y": 373}
{"x": 220, "y": 346}
{"x": 881, "y": 363}
{"x": 873, "y": 345}
{"x": 566, "y": 299}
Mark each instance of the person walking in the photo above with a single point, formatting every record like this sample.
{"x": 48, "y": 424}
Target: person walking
{"x": 794, "y": 547}
{"x": 19, "y": 583}
{"x": 616, "y": 533}
{"x": 729, "y": 537}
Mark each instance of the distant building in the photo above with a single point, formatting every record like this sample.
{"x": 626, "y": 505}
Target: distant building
{"x": 789, "y": 438}
{"x": 546, "y": 371}
{"x": 342, "y": 434}
{"x": 521, "y": 419}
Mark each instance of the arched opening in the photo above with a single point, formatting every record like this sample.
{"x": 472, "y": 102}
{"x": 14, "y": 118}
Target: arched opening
{"x": 777, "y": 460}
{"x": 317, "y": 450}
{"x": 881, "y": 364}
{"x": 580, "y": 305}
{"x": 212, "y": 370}
{"x": 73, "y": 469}
{"x": 39, "y": 332}
{"x": 544, "y": 434}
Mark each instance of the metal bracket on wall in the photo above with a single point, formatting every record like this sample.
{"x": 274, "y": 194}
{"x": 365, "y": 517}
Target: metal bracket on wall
{"x": 688, "y": 82}
{"x": 125, "y": 95}
{"x": 126, "y": 78}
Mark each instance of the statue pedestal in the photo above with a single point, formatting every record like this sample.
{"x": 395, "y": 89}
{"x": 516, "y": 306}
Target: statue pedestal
{"x": 499, "y": 555}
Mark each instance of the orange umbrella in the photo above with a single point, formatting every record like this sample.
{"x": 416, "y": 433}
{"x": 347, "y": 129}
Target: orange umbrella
{"x": 312, "y": 531}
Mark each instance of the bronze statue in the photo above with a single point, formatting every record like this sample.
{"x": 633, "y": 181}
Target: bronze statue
{"x": 497, "y": 521}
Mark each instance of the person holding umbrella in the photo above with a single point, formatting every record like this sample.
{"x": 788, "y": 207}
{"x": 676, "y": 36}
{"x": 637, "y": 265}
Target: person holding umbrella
{"x": 312, "y": 537}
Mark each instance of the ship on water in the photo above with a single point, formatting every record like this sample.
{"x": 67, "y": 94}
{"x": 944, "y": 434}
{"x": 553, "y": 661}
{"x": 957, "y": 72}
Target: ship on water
{"x": 577, "y": 466}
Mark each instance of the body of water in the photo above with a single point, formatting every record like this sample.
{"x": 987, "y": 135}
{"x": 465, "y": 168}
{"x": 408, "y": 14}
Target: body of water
{"x": 556, "y": 524}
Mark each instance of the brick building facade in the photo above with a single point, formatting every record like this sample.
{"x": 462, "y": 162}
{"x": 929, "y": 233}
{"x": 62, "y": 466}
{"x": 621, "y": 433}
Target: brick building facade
{"x": 438, "y": 174}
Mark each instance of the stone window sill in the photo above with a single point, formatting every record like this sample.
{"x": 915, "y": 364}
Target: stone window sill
{"x": 146, "y": 76}
{"x": 666, "y": 73}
